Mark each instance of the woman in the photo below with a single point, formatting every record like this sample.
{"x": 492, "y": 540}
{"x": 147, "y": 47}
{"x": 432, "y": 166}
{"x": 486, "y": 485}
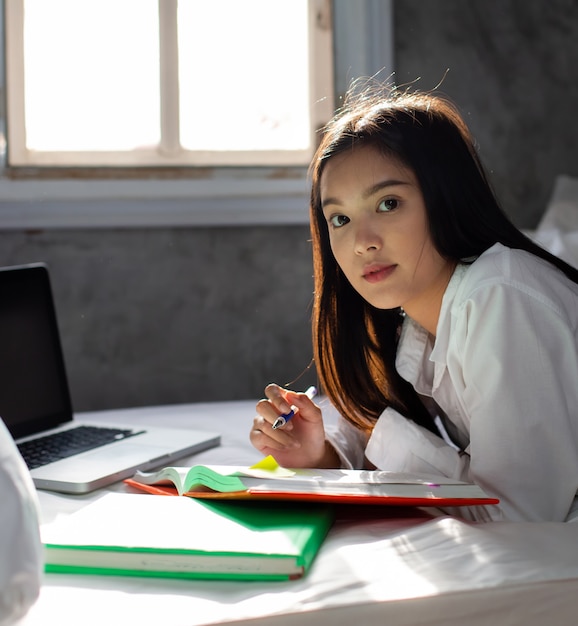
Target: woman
{"x": 445, "y": 338}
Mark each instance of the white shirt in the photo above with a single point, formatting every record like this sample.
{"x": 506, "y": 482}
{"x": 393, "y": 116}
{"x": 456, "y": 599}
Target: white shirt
{"x": 21, "y": 557}
{"x": 503, "y": 367}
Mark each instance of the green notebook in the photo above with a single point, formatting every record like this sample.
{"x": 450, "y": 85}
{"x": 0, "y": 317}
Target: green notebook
{"x": 142, "y": 535}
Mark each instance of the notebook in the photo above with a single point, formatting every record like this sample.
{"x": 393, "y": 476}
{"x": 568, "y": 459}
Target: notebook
{"x": 140, "y": 535}
{"x": 267, "y": 480}
{"x": 35, "y": 400}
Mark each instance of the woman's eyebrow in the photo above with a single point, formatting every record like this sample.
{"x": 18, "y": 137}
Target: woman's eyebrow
{"x": 381, "y": 186}
{"x": 370, "y": 191}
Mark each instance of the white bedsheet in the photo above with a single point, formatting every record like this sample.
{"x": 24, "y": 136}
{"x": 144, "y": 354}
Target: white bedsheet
{"x": 377, "y": 571}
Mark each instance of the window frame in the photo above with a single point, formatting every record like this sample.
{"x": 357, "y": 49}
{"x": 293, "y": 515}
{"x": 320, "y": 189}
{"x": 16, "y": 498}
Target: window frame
{"x": 33, "y": 198}
{"x": 169, "y": 152}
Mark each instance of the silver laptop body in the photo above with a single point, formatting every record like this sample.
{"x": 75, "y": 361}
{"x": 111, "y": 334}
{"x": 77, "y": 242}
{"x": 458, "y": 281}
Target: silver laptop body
{"x": 35, "y": 399}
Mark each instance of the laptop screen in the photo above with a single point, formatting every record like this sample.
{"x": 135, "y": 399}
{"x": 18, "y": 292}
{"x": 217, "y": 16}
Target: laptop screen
{"x": 34, "y": 394}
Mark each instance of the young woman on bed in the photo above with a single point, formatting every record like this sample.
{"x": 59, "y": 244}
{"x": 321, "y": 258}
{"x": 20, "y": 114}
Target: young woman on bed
{"x": 429, "y": 302}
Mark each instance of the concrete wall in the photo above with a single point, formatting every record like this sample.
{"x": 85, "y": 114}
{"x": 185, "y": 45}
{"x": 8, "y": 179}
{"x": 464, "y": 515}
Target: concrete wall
{"x": 161, "y": 316}
{"x": 154, "y": 316}
{"x": 512, "y": 70}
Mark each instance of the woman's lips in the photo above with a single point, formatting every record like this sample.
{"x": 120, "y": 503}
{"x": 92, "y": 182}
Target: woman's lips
{"x": 377, "y": 273}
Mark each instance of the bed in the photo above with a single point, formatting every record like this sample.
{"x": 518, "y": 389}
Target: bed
{"x": 393, "y": 569}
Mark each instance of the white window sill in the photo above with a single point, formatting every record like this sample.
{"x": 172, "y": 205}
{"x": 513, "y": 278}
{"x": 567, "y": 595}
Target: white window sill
{"x": 152, "y": 203}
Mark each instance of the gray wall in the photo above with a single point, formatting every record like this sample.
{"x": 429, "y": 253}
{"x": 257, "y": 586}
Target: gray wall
{"x": 158, "y": 316}
{"x": 161, "y": 316}
{"x": 513, "y": 69}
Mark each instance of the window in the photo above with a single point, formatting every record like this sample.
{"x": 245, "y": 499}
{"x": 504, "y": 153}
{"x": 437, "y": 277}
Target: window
{"x": 166, "y": 83}
{"x": 46, "y": 188}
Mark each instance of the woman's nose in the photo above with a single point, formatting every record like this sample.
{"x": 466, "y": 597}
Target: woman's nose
{"x": 367, "y": 238}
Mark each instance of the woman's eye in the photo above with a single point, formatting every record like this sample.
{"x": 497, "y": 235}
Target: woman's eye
{"x": 387, "y": 205}
{"x": 338, "y": 220}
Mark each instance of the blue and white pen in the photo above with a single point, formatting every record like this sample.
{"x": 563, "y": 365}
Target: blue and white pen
{"x": 283, "y": 419}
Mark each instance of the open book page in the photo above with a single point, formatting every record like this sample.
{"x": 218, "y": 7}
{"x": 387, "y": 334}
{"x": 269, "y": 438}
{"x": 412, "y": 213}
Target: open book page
{"x": 222, "y": 478}
{"x": 347, "y": 482}
{"x": 356, "y": 487}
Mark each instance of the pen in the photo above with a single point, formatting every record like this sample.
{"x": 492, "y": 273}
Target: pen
{"x": 283, "y": 419}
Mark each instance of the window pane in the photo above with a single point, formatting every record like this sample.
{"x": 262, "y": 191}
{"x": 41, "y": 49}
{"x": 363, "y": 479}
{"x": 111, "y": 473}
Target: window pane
{"x": 254, "y": 94}
{"x": 91, "y": 74}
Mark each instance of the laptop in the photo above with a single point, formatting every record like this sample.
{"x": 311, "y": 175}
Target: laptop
{"x": 35, "y": 402}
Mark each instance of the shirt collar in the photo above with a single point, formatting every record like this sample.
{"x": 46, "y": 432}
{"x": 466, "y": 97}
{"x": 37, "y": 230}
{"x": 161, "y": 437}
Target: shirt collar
{"x": 421, "y": 358}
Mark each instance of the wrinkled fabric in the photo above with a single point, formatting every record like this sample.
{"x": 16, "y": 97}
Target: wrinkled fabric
{"x": 503, "y": 370}
{"x": 21, "y": 559}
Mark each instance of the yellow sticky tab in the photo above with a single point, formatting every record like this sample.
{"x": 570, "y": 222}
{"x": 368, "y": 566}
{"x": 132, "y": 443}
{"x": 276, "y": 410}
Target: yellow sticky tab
{"x": 267, "y": 463}
{"x": 268, "y": 466}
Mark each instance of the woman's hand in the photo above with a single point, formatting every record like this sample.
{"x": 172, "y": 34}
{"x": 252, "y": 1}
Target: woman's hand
{"x": 301, "y": 442}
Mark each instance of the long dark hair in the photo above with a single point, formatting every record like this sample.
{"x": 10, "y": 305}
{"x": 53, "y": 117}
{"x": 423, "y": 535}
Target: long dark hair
{"x": 354, "y": 343}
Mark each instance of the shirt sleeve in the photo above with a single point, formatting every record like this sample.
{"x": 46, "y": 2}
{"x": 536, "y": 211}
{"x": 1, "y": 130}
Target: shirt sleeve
{"x": 515, "y": 367}
{"x": 349, "y": 443}
{"x": 400, "y": 445}
{"x": 21, "y": 559}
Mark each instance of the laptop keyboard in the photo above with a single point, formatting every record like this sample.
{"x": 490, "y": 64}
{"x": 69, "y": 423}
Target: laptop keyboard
{"x": 61, "y": 445}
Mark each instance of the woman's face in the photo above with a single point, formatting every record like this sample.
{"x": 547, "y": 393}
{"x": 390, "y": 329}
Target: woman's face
{"x": 379, "y": 234}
